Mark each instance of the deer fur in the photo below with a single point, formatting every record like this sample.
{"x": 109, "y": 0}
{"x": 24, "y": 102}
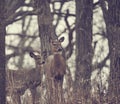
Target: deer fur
{"x": 18, "y": 81}
{"x": 55, "y": 64}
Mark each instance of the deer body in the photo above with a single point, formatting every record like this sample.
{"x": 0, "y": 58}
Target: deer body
{"x": 18, "y": 81}
{"x": 55, "y": 64}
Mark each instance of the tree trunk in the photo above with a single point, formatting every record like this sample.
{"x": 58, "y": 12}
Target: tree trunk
{"x": 46, "y": 29}
{"x": 2, "y": 53}
{"x": 114, "y": 78}
{"x": 84, "y": 51}
{"x": 113, "y": 31}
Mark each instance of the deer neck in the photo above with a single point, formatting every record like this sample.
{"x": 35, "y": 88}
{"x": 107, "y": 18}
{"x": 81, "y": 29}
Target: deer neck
{"x": 37, "y": 68}
{"x": 57, "y": 59}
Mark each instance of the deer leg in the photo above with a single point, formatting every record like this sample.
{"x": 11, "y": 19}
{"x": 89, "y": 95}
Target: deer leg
{"x": 16, "y": 98}
{"x": 33, "y": 93}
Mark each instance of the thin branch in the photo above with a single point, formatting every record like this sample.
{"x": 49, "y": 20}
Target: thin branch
{"x": 17, "y": 51}
{"x": 63, "y": 14}
{"x": 104, "y": 9}
{"x": 22, "y": 14}
{"x": 102, "y": 64}
{"x": 22, "y": 35}
{"x": 70, "y": 45}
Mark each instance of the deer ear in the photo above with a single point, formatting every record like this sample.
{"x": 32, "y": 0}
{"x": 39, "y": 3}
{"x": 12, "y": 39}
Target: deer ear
{"x": 44, "y": 53}
{"x": 61, "y": 39}
{"x": 32, "y": 54}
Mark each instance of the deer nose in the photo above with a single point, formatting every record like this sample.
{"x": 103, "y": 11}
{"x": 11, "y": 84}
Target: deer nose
{"x": 43, "y": 62}
{"x": 60, "y": 49}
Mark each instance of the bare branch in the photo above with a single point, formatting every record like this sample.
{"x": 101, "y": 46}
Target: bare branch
{"x": 15, "y": 17}
{"x": 18, "y": 51}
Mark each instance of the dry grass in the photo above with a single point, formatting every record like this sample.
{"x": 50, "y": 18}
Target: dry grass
{"x": 49, "y": 93}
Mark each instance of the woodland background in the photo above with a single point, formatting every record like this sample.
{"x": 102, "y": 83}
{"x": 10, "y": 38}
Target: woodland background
{"x": 91, "y": 48}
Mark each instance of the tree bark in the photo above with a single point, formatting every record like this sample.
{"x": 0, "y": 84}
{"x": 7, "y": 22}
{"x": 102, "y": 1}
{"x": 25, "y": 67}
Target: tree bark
{"x": 2, "y": 53}
{"x": 84, "y": 52}
{"x": 46, "y": 29}
{"x": 114, "y": 78}
{"x": 113, "y": 31}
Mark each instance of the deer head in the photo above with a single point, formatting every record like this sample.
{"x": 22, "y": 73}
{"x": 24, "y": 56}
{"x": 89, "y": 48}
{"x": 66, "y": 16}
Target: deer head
{"x": 37, "y": 57}
{"x": 56, "y": 45}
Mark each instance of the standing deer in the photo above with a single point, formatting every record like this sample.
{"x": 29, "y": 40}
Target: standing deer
{"x": 18, "y": 81}
{"x": 55, "y": 68}
{"x": 55, "y": 64}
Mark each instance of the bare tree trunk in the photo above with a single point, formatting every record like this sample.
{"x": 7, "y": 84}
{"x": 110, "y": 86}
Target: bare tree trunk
{"x": 2, "y": 52}
{"x": 114, "y": 78}
{"x": 45, "y": 19}
{"x": 84, "y": 51}
{"x": 113, "y": 30}
{"x": 46, "y": 30}
{"x": 112, "y": 20}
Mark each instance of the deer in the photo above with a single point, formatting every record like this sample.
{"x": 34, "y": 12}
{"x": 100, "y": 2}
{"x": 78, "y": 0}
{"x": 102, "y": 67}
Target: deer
{"x": 55, "y": 64}
{"x": 55, "y": 69}
{"x": 25, "y": 79}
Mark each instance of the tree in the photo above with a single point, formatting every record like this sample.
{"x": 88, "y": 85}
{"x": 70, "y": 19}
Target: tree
{"x": 46, "y": 31}
{"x": 2, "y": 52}
{"x": 45, "y": 26}
{"x": 84, "y": 50}
{"x": 112, "y": 21}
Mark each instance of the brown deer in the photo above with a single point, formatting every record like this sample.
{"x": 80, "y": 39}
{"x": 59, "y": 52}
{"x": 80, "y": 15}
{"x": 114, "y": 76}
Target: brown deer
{"x": 55, "y": 68}
{"x": 55, "y": 64}
{"x": 20, "y": 80}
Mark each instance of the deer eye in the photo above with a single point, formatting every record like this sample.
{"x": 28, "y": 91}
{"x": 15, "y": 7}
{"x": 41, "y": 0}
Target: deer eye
{"x": 38, "y": 58}
{"x": 54, "y": 44}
